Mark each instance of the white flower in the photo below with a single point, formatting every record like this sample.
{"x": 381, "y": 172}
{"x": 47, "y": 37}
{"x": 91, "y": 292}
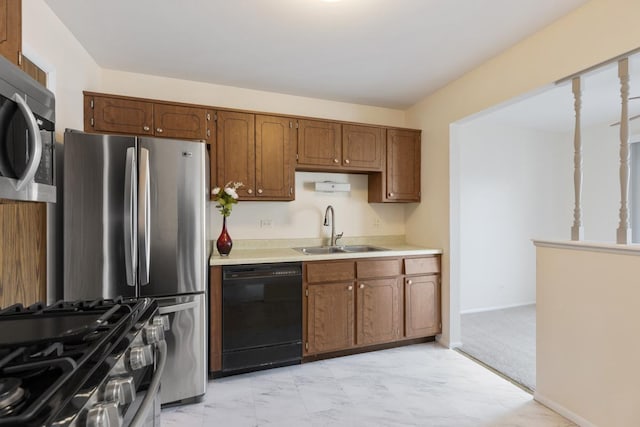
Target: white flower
{"x": 231, "y": 192}
{"x": 216, "y": 190}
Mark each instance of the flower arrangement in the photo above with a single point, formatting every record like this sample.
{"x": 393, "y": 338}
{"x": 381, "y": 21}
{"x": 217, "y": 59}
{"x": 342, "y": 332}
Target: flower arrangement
{"x": 226, "y": 197}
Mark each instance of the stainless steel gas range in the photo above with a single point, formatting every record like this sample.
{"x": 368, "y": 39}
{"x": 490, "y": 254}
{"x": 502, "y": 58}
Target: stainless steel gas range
{"x": 87, "y": 363}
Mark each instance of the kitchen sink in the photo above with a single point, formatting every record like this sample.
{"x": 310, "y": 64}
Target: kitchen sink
{"x": 321, "y": 250}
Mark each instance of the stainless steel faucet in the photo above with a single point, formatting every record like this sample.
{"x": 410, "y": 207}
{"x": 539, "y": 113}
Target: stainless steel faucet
{"x": 334, "y": 238}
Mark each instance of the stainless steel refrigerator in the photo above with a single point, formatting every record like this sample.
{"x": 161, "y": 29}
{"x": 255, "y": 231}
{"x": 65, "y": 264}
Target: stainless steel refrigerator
{"x": 134, "y": 225}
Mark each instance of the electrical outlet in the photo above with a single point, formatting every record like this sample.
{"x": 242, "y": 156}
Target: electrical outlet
{"x": 266, "y": 223}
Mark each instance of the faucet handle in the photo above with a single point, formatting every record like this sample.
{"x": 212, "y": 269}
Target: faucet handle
{"x": 338, "y": 236}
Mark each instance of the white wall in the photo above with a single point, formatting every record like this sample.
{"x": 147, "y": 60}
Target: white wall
{"x": 49, "y": 44}
{"x": 510, "y": 182}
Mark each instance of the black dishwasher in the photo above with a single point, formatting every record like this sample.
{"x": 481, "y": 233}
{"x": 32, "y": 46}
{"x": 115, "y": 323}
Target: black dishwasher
{"x": 261, "y": 316}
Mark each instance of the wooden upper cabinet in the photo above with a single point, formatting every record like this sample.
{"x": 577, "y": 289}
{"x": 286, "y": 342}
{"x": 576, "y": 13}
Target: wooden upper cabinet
{"x": 319, "y": 145}
{"x": 180, "y": 122}
{"x": 118, "y": 115}
{"x": 274, "y": 158}
{"x": 329, "y": 146}
{"x": 363, "y": 147}
{"x": 11, "y": 30}
{"x": 403, "y": 165}
{"x": 235, "y": 147}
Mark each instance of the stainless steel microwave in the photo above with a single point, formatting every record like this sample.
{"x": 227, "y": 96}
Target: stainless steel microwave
{"x": 27, "y": 139}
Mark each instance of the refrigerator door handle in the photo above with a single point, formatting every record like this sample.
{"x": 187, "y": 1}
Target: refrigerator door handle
{"x": 144, "y": 217}
{"x": 130, "y": 198}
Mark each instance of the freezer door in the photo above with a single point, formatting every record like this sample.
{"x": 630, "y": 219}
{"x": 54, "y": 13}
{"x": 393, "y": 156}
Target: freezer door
{"x": 185, "y": 374}
{"x": 95, "y": 209}
{"x": 171, "y": 217}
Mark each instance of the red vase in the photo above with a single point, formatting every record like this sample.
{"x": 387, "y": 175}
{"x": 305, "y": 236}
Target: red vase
{"x": 224, "y": 242}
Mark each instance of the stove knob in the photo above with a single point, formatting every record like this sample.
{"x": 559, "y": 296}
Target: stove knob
{"x": 139, "y": 357}
{"x": 104, "y": 415}
{"x": 162, "y": 321}
{"x": 120, "y": 390}
{"x": 153, "y": 334}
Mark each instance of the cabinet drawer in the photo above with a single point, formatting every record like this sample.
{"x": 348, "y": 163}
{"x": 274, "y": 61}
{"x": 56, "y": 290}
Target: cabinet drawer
{"x": 378, "y": 268}
{"x": 424, "y": 265}
{"x": 329, "y": 271}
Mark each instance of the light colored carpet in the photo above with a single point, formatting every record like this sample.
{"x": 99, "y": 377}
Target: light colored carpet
{"x": 505, "y": 340}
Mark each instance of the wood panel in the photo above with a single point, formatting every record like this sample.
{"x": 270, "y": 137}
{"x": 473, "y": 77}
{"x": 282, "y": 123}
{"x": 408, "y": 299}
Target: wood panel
{"x": 23, "y": 253}
{"x": 422, "y": 306}
{"x": 319, "y": 144}
{"x": 11, "y": 30}
{"x": 117, "y": 115}
{"x": 235, "y": 144}
{"x": 378, "y": 310}
{"x": 363, "y": 147}
{"x": 180, "y": 122}
{"x": 379, "y": 268}
{"x": 215, "y": 319}
{"x": 331, "y": 271}
{"x": 34, "y": 71}
{"x": 422, "y": 265}
{"x": 330, "y": 317}
{"x": 274, "y": 158}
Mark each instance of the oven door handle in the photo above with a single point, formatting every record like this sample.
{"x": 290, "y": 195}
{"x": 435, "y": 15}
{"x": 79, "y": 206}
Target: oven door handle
{"x": 35, "y": 143}
{"x": 178, "y": 307}
{"x": 154, "y": 387}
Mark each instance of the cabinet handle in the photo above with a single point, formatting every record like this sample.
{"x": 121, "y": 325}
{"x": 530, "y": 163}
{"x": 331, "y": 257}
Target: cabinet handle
{"x": 145, "y": 128}
{"x": 347, "y": 161}
{"x": 336, "y": 161}
{"x": 159, "y": 130}
{"x": 390, "y": 194}
{"x": 249, "y": 191}
{"x": 409, "y": 282}
{"x": 259, "y": 190}
{"x": 361, "y": 285}
{"x": 350, "y": 288}
{"x": 208, "y": 132}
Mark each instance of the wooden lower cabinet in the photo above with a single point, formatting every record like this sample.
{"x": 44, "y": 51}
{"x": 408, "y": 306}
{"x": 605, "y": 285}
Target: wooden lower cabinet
{"x": 422, "y": 306}
{"x": 378, "y": 311}
{"x": 329, "y": 317}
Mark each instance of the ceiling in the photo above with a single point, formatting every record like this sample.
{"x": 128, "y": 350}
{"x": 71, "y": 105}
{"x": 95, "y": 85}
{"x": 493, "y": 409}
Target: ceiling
{"x": 388, "y": 53}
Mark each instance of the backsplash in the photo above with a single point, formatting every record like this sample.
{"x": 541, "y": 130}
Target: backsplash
{"x": 303, "y": 217}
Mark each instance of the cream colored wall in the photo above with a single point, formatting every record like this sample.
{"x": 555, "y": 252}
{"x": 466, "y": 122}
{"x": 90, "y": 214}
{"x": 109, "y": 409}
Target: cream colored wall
{"x": 591, "y": 34}
{"x": 587, "y": 354}
{"x": 156, "y": 87}
{"x": 48, "y": 43}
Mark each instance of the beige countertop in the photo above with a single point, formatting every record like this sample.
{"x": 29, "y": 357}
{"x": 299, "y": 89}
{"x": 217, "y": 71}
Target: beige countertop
{"x": 253, "y": 252}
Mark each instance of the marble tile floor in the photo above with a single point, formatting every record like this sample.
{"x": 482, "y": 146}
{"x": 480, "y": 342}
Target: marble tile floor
{"x": 418, "y": 385}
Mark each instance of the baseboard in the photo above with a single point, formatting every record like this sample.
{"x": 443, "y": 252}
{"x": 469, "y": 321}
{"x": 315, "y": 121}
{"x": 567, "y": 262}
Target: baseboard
{"x": 502, "y": 307}
{"x": 561, "y": 410}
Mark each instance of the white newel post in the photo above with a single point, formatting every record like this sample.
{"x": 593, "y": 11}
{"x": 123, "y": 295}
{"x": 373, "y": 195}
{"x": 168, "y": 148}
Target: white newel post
{"x": 577, "y": 231}
{"x": 624, "y": 230}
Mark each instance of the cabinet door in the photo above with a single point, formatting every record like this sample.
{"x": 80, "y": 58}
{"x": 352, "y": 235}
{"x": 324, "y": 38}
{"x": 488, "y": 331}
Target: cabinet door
{"x": 362, "y": 147}
{"x": 378, "y": 311}
{"x": 329, "y": 317}
{"x": 422, "y": 306}
{"x": 403, "y": 165}
{"x": 319, "y": 144}
{"x": 235, "y": 145}
{"x": 274, "y": 158}
{"x": 11, "y": 29}
{"x": 180, "y": 122}
{"x": 117, "y": 115}
{"x": 23, "y": 257}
